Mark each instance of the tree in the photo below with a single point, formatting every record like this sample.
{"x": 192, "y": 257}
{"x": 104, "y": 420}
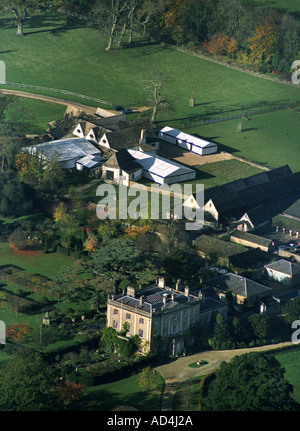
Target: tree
{"x": 221, "y": 334}
{"x": 21, "y": 10}
{"x": 291, "y": 310}
{"x": 260, "y": 326}
{"x": 36, "y": 171}
{"x": 117, "y": 259}
{"x": 26, "y": 383}
{"x": 250, "y": 382}
{"x": 16, "y": 198}
{"x": 264, "y": 43}
{"x": 154, "y": 86}
{"x": 148, "y": 379}
{"x": 18, "y": 331}
{"x": 106, "y": 16}
{"x": 91, "y": 243}
{"x": 69, "y": 391}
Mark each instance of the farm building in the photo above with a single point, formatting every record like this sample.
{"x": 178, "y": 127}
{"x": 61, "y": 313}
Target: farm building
{"x": 121, "y": 164}
{"x": 273, "y": 190}
{"x": 188, "y": 142}
{"x": 284, "y": 272}
{"x": 161, "y": 170}
{"x": 254, "y": 219}
{"x": 67, "y": 152}
{"x": 253, "y": 241}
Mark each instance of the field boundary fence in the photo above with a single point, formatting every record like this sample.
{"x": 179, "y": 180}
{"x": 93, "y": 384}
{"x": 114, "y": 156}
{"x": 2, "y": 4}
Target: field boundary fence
{"x": 56, "y": 90}
{"x": 243, "y": 115}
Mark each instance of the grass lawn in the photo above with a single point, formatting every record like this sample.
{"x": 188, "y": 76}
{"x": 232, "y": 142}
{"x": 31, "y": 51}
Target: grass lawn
{"x": 47, "y": 265}
{"x": 270, "y": 139}
{"x": 187, "y": 396}
{"x": 290, "y": 360}
{"x": 31, "y": 116}
{"x": 59, "y": 52}
{"x": 218, "y": 173}
{"x": 291, "y": 6}
{"x": 125, "y": 392}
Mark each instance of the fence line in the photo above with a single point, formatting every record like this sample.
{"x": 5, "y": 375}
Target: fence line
{"x": 245, "y": 114}
{"x": 56, "y": 90}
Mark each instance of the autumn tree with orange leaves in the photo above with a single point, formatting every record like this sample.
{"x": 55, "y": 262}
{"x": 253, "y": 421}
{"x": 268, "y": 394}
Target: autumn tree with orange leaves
{"x": 69, "y": 391}
{"x": 264, "y": 43}
{"x": 18, "y": 331}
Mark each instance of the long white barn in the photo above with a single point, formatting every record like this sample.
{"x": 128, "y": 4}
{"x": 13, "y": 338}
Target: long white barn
{"x": 162, "y": 171}
{"x": 186, "y": 141}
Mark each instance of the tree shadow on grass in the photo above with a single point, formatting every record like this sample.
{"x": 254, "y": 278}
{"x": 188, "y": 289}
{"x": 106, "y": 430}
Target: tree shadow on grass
{"x": 48, "y": 24}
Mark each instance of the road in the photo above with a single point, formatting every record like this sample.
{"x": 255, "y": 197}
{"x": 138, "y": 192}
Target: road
{"x": 179, "y": 370}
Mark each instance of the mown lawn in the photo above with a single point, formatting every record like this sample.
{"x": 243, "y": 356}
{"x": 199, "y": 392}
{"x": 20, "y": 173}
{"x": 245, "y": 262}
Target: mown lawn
{"x": 47, "y": 265}
{"x": 290, "y": 360}
{"x": 291, "y": 6}
{"x": 31, "y": 116}
{"x": 271, "y": 139}
{"x": 59, "y": 52}
{"x": 126, "y": 392}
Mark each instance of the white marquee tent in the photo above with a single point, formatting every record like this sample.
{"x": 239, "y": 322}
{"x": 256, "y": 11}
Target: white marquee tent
{"x": 188, "y": 142}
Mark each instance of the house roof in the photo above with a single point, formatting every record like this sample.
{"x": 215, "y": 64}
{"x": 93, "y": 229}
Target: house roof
{"x": 123, "y": 160}
{"x": 255, "y": 239}
{"x": 64, "y": 149}
{"x": 285, "y": 267}
{"x": 237, "y": 284}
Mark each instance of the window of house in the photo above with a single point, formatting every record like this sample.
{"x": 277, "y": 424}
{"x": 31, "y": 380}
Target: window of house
{"x": 116, "y": 311}
{"x": 128, "y": 316}
{"x": 175, "y": 317}
{"x": 165, "y": 320}
{"x": 128, "y": 329}
{"x": 115, "y": 324}
{"x": 141, "y": 321}
{"x": 141, "y": 333}
{"x": 185, "y": 314}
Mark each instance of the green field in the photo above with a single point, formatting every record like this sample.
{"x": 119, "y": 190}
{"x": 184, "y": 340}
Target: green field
{"x": 58, "y": 52}
{"x": 125, "y": 392}
{"x": 31, "y": 116}
{"x": 290, "y": 360}
{"x": 271, "y": 139}
{"x": 290, "y": 6}
{"x": 47, "y": 265}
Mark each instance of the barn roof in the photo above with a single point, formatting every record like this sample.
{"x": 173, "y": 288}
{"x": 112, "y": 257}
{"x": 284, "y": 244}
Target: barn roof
{"x": 64, "y": 149}
{"x": 158, "y": 165}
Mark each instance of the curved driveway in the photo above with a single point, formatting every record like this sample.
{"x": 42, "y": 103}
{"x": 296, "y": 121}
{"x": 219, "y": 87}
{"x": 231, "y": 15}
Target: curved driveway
{"x": 179, "y": 370}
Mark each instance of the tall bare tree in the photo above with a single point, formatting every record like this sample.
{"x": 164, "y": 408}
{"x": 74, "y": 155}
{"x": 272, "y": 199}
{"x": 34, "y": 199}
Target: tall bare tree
{"x": 154, "y": 86}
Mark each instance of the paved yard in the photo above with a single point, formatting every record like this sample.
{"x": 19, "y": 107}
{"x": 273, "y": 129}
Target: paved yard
{"x": 188, "y": 158}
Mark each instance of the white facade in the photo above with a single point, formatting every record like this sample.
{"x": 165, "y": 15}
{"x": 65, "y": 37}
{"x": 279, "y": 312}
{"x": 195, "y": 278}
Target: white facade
{"x": 188, "y": 142}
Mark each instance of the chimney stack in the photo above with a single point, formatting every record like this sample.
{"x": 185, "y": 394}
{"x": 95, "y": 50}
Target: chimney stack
{"x": 131, "y": 291}
{"x": 161, "y": 282}
{"x": 165, "y": 296}
{"x": 178, "y": 282}
{"x": 142, "y": 299}
{"x": 186, "y": 291}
